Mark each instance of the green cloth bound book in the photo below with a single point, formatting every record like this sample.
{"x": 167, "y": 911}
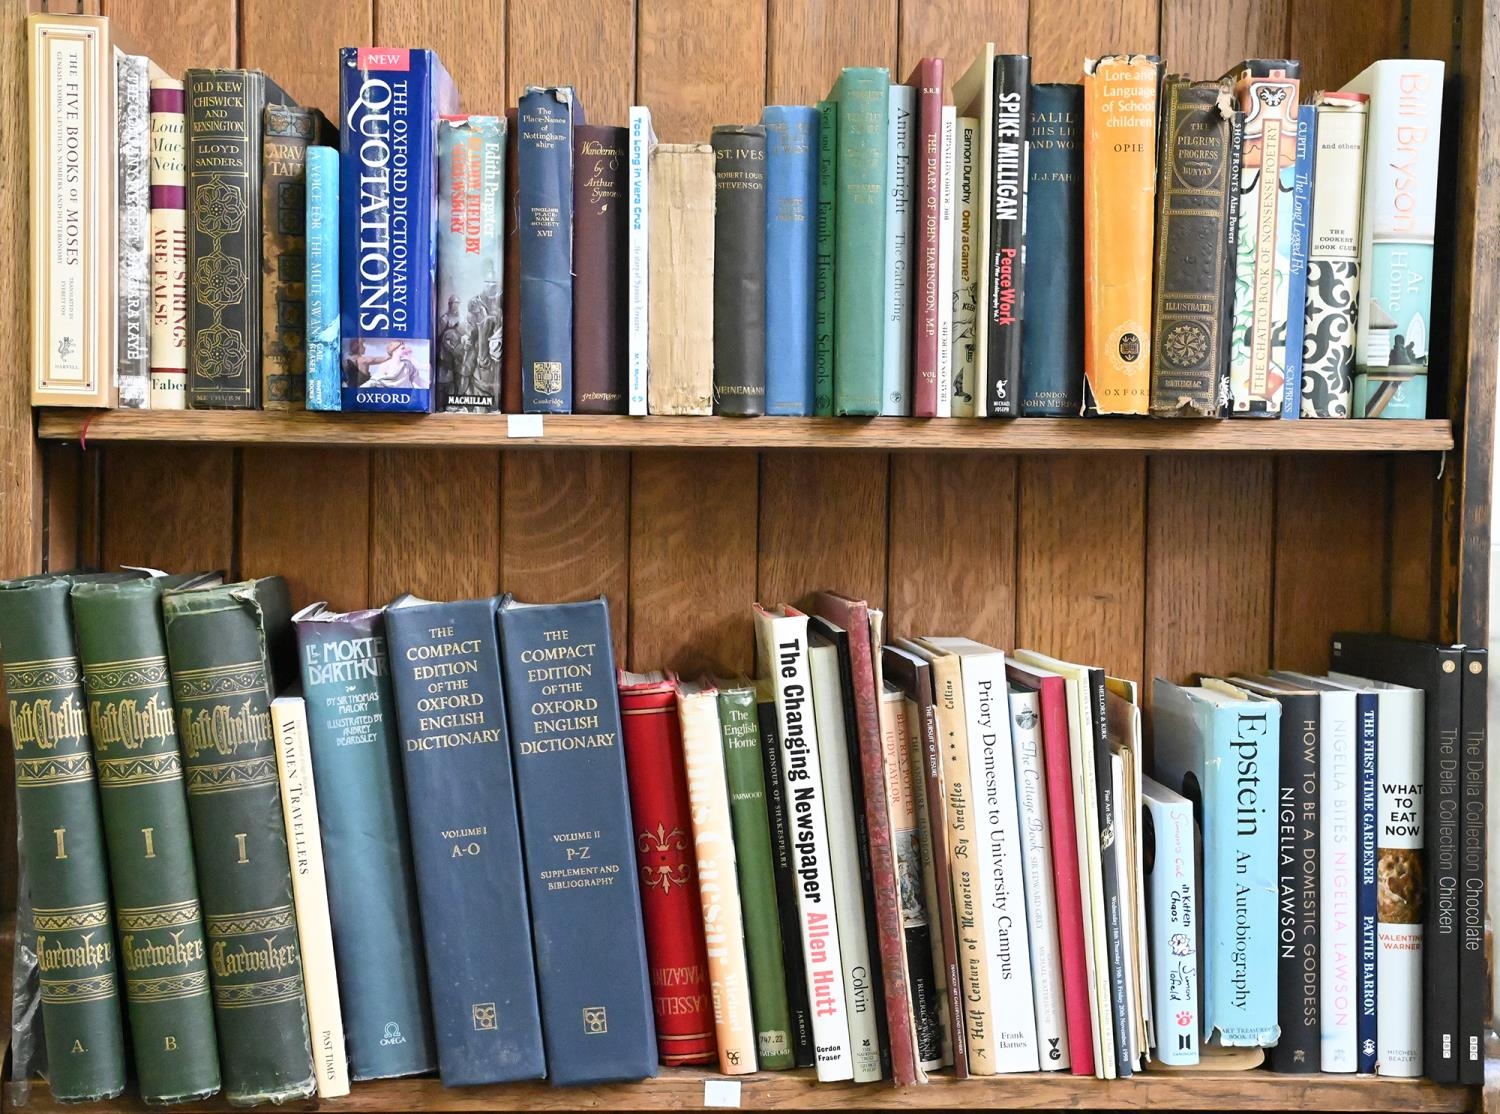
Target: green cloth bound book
{"x": 863, "y": 95}
{"x": 828, "y": 161}
{"x": 217, "y": 642}
{"x": 62, "y": 842}
{"x": 124, "y": 654}
{"x": 740, "y": 728}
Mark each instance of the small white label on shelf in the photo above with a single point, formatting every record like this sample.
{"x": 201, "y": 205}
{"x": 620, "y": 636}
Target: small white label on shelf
{"x": 523, "y": 425}
{"x": 721, "y": 1093}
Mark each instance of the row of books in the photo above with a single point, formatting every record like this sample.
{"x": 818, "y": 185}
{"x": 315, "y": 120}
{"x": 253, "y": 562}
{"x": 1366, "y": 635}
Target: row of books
{"x": 242, "y": 252}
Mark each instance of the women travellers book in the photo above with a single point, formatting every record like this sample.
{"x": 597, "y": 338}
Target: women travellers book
{"x": 169, "y": 308}
{"x": 390, "y": 99}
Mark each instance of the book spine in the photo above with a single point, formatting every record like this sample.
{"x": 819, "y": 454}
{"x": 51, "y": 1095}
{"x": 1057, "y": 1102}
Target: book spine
{"x": 900, "y": 202}
{"x": 390, "y": 102}
{"x": 169, "y": 307}
{"x": 826, "y": 243}
{"x": 1333, "y": 256}
{"x": 682, "y": 279}
{"x": 859, "y": 240}
{"x": 287, "y": 133}
{"x": 62, "y": 843}
{"x": 791, "y": 256}
{"x": 930, "y": 174}
{"x": 1297, "y": 830}
{"x": 217, "y": 643}
{"x": 545, "y": 155}
{"x": 642, "y": 139}
{"x": 1338, "y": 843}
{"x": 601, "y": 311}
{"x": 470, "y": 332}
{"x": 947, "y": 271}
{"x": 510, "y": 354}
{"x": 577, "y": 832}
{"x": 739, "y": 351}
{"x": 1052, "y": 332}
{"x": 133, "y": 230}
{"x": 967, "y": 213}
{"x": 356, "y": 766}
{"x": 1115, "y": 997}
{"x": 1296, "y": 319}
{"x": 1175, "y": 913}
{"x": 1473, "y": 996}
{"x": 1399, "y": 813}
{"x": 1119, "y": 188}
{"x": 1007, "y": 241}
{"x": 1366, "y": 901}
{"x": 1440, "y": 836}
{"x": 299, "y": 810}
{"x": 322, "y": 279}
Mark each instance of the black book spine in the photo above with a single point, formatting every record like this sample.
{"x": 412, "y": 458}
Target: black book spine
{"x": 1473, "y": 977}
{"x": 1113, "y": 911}
{"x": 786, "y": 887}
{"x": 739, "y": 269}
{"x": 1007, "y": 262}
{"x": 1297, "y": 987}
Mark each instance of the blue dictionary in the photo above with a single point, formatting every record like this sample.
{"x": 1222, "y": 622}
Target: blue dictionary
{"x": 544, "y": 157}
{"x": 1367, "y": 739}
{"x": 900, "y": 172}
{"x": 323, "y": 353}
{"x": 1296, "y": 284}
{"x": 465, "y": 839}
{"x": 1052, "y": 330}
{"x": 580, "y": 843}
{"x": 791, "y": 256}
{"x": 372, "y": 900}
{"x": 390, "y": 99}
{"x": 1219, "y": 746}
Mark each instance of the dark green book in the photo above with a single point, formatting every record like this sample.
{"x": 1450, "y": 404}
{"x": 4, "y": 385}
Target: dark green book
{"x": 863, "y": 94}
{"x": 828, "y": 146}
{"x": 740, "y": 728}
{"x": 62, "y": 842}
{"x": 221, "y": 643}
{"x": 123, "y": 651}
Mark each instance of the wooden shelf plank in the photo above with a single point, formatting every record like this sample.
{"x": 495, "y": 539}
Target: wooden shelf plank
{"x": 1027, "y": 435}
{"x": 682, "y": 1089}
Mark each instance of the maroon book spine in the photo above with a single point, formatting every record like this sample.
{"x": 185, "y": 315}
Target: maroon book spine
{"x": 927, "y": 80}
{"x": 510, "y": 367}
{"x": 600, "y": 162}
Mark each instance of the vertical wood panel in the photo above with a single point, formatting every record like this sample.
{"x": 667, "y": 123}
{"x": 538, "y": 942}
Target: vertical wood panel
{"x": 810, "y": 41}
{"x": 178, "y": 33}
{"x": 1063, "y": 35}
{"x": 822, "y": 525}
{"x": 1206, "y": 38}
{"x": 170, "y": 507}
{"x": 435, "y": 524}
{"x": 1336, "y": 40}
{"x": 589, "y": 45}
{"x": 955, "y": 30}
{"x": 302, "y": 55}
{"x": 700, "y": 65}
{"x": 1414, "y": 496}
{"x": 468, "y": 35}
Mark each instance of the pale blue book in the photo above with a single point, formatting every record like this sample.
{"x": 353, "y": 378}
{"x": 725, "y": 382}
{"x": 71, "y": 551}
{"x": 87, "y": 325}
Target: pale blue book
{"x": 901, "y": 122}
{"x": 323, "y": 278}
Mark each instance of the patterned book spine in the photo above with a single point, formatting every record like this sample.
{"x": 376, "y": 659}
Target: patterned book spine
{"x": 133, "y": 229}
{"x": 926, "y": 82}
{"x": 510, "y": 357}
{"x": 1367, "y": 883}
{"x": 823, "y": 299}
{"x": 900, "y": 200}
{"x": 1399, "y": 818}
{"x": 169, "y": 308}
{"x": 739, "y": 352}
{"x": 390, "y": 100}
{"x": 965, "y": 271}
{"x": 1296, "y": 318}
{"x": 217, "y": 640}
{"x": 470, "y": 263}
{"x": 544, "y": 156}
{"x": 863, "y": 96}
{"x": 642, "y": 140}
{"x": 1297, "y": 878}
{"x": 1006, "y": 288}
{"x": 288, "y": 132}
{"x": 62, "y": 842}
{"x": 124, "y": 656}
{"x": 946, "y": 276}
{"x": 1052, "y": 333}
{"x": 682, "y": 279}
{"x": 791, "y": 256}
{"x": 322, "y": 279}
{"x": 601, "y": 312}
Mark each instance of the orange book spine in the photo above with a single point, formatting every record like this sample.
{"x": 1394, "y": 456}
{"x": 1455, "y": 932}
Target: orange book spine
{"x": 1119, "y": 183}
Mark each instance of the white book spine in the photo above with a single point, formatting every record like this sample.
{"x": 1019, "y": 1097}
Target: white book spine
{"x": 1172, "y": 892}
{"x": 1122, "y": 853}
{"x": 1338, "y": 1005}
{"x": 133, "y": 229}
{"x": 642, "y": 140}
{"x": 1036, "y": 862}
{"x": 1398, "y": 932}
{"x": 299, "y": 810}
{"x": 946, "y": 275}
{"x": 966, "y": 214}
{"x": 895, "y": 395}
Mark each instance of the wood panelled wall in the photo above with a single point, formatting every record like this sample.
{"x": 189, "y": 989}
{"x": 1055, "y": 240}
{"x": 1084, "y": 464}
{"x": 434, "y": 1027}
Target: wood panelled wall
{"x": 1148, "y": 564}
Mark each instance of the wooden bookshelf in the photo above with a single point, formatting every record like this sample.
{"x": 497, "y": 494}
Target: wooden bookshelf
{"x": 573, "y": 431}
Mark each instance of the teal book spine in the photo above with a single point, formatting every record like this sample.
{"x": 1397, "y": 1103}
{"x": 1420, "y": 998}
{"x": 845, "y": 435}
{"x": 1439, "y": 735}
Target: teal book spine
{"x": 323, "y": 392}
{"x": 901, "y": 127}
{"x": 863, "y": 95}
{"x": 825, "y": 262}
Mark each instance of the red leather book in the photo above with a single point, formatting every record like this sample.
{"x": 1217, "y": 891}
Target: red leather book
{"x": 854, "y": 617}
{"x": 600, "y": 165}
{"x": 927, "y": 80}
{"x": 510, "y": 350}
{"x": 670, "y": 904}
{"x": 1053, "y": 697}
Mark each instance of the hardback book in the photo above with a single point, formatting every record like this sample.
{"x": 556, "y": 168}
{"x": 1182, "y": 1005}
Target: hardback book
{"x": 1296, "y": 319}
{"x": 299, "y": 811}
{"x": 123, "y": 654}
{"x": 1119, "y": 193}
{"x": 947, "y": 275}
{"x": 781, "y": 643}
{"x": 638, "y": 242}
{"x": 390, "y": 99}
{"x": 601, "y": 259}
{"x": 739, "y": 724}
{"x": 863, "y": 138}
{"x": 168, "y": 182}
{"x": 1223, "y": 747}
{"x": 578, "y": 837}
{"x": 668, "y": 867}
{"x": 718, "y": 880}
{"x": 791, "y": 255}
{"x": 1006, "y": 262}
{"x": 1052, "y": 331}
{"x": 824, "y": 245}
{"x": 973, "y": 96}
{"x": 470, "y": 335}
{"x": 739, "y": 352}
{"x": 1123, "y": 711}
{"x": 1436, "y": 670}
{"x": 900, "y": 230}
{"x": 1396, "y": 232}
{"x": 1266, "y": 91}
{"x": 71, "y": 62}
{"x": 1333, "y": 254}
{"x": 61, "y": 838}
{"x": 547, "y": 118}
{"x": 1473, "y": 998}
{"x": 681, "y": 279}
{"x": 1174, "y": 914}
{"x": 1197, "y": 204}
{"x": 322, "y": 280}
{"x": 288, "y": 132}
{"x": 510, "y": 354}
{"x": 224, "y": 645}
{"x": 967, "y": 211}
{"x": 372, "y": 892}
{"x": 465, "y": 839}
{"x": 225, "y": 130}
{"x": 928, "y": 244}
{"x": 133, "y": 229}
